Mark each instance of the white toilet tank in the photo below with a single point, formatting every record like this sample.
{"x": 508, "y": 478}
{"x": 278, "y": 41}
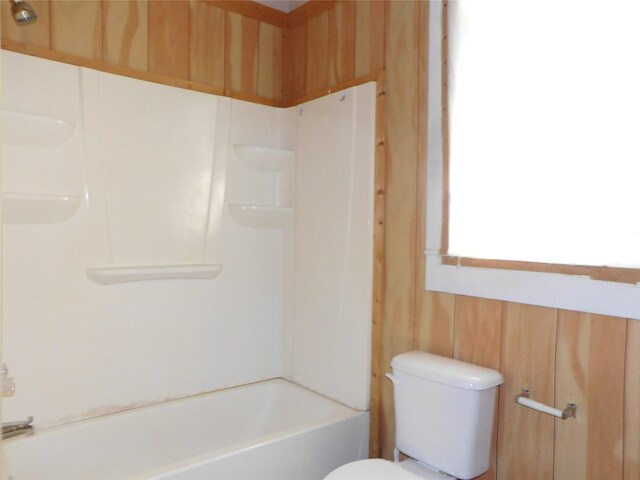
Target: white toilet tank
{"x": 444, "y": 411}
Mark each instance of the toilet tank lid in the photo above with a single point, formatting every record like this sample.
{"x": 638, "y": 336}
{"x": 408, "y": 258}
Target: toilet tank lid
{"x": 446, "y": 370}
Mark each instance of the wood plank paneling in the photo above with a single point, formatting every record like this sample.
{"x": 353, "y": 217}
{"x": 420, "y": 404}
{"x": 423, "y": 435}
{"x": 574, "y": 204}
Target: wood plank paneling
{"x": 287, "y": 66}
{"x": 525, "y": 437}
{"x": 76, "y": 28}
{"x": 369, "y": 37}
{"x": 434, "y": 311}
{"x": 269, "y": 61}
{"x": 435, "y": 322}
{"x": 317, "y": 53}
{"x": 400, "y": 207}
{"x": 206, "y": 43}
{"x": 241, "y": 51}
{"x": 299, "y": 59}
{"x": 341, "y": 43}
{"x": 125, "y": 33}
{"x": 632, "y": 403}
{"x": 478, "y": 332}
{"x": 589, "y": 362}
{"x": 379, "y": 271}
{"x": 169, "y": 38}
{"x": 36, "y": 34}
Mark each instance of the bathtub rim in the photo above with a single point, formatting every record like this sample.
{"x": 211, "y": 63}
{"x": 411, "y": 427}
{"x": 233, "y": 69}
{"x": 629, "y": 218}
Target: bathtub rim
{"x": 339, "y": 413}
{"x": 169, "y": 401}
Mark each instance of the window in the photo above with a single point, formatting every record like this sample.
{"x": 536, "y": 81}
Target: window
{"x": 541, "y": 156}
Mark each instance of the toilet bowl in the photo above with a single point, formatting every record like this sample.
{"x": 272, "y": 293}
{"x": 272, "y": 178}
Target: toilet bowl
{"x": 444, "y": 410}
{"x": 377, "y": 469}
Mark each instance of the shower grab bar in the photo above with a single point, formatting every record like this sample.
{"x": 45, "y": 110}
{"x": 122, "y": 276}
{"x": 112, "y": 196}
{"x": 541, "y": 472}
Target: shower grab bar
{"x": 525, "y": 400}
{"x": 13, "y": 429}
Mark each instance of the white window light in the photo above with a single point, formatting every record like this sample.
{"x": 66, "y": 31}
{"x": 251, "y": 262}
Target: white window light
{"x": 544, "y": 123}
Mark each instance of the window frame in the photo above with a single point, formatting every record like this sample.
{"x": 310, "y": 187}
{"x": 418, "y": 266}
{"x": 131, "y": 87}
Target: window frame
{"x": 596, "y": 289}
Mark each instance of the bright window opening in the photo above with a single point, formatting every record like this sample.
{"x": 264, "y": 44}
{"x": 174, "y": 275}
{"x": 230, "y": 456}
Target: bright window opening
{"x": 544, "y": 131}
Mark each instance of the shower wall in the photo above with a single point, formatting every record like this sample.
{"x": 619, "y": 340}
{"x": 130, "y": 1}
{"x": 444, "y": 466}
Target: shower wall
{"x": 333, "y": 274}
{"x": 103, "y": 172}
{"x": 159, "y": 242}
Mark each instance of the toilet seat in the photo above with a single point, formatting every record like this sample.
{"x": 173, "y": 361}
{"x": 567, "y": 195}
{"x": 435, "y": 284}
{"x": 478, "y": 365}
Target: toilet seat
{"x": 377, "y": 469}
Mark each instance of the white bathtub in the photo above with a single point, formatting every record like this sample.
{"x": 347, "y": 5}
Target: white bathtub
{"x": 268, "y": 430}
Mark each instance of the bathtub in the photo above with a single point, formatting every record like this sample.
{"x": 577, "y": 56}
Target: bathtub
{"x": 267, "y": 430}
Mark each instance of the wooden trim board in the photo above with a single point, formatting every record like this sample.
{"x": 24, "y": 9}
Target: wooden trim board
{"x": 375, "y": 441}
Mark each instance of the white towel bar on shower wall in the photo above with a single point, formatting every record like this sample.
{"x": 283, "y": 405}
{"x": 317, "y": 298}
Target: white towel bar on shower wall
{"x": 524, "y": 400}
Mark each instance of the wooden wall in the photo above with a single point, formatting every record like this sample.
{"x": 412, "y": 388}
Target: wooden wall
{"x": 212, "y": 46}
{"x": 561, "y": 356}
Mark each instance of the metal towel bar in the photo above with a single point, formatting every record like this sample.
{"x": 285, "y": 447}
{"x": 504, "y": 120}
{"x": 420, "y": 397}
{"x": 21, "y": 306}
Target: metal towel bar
{"x": 525, "y": 400}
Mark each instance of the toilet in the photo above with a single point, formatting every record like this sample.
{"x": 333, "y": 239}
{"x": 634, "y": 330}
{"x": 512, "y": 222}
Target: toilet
{"x": 444, "y": 412}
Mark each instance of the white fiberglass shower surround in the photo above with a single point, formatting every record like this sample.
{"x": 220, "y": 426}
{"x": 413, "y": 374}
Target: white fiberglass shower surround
{"x": 186, "y": 278}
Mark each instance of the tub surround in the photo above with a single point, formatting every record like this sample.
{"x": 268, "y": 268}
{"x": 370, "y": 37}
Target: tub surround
{"x": 212, "y": 247}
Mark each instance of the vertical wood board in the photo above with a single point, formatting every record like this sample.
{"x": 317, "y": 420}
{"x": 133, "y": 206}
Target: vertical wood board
{"x": 435, "y": 322}
{"x": 286, "y": 73}
{"x": 206, "y": 43}
{"x": 299, "y": 60}
{"x": 249, "y": 56}
{"x": 125, "y": 33}
{"x": 590, "y": 373}
{"x": 632, "y": 402}
{"x": 317, "y": 53}
{"x": 242, "y": 54}
{"x": 379, "y": 270}
{"x": 76, "y": 28}
{"x": 341, "y": 43}
{"x": 168, "y": 26}
{"x": 402, "y": 51}
{"x": 525, "y": 436}
{"x": 478, "y": 332}
{"x": 269, "y": 61}
{"x": 421, "y": 295}
{"x": 369, "y": 37}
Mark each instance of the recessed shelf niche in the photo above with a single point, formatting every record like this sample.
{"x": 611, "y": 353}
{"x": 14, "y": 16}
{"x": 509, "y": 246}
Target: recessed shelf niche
{"x": 261, "y": 192}
{"x": 27, "y": 208}
{"x": 41, "y": 184}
